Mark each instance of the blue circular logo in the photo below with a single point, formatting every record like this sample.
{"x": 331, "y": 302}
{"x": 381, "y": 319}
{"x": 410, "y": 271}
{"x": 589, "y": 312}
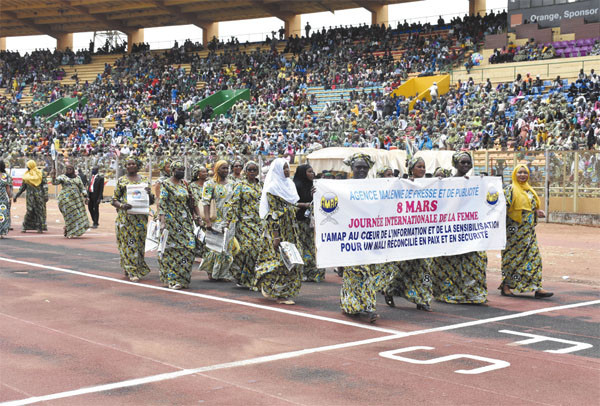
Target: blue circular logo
{"x": 329, "y": 202}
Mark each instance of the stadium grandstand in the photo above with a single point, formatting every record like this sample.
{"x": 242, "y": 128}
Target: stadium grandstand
{"x": 504, "y": 82}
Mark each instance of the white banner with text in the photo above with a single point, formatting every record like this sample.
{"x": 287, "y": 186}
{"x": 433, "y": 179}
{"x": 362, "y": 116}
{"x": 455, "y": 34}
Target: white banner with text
{"x": 373, "y": 221}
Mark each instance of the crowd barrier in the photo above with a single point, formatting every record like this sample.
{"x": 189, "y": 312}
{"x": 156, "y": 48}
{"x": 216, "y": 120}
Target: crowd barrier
{"x": 566, "y": 181}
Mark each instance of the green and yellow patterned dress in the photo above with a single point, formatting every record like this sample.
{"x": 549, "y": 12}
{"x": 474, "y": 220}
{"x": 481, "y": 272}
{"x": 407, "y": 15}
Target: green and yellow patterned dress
{"x": 411, "y": 280}
{"x": 359, "y": 287}
{"x": 196, "y": 190}
{"x": 460, "y": 278}
{"x": 37, "y": 196}
{"x": 310, "y": 272}
{"x": 521, "y": 260}
{"x": 272, "y": 276}
{"x": 71, "y": 203}
{"x": 217, "y": 265}
{"x": 131, "y": 232}
{"x": 243, "y": 212}
{"x": 178, "y": 258}
{"x": 5, "y": 180}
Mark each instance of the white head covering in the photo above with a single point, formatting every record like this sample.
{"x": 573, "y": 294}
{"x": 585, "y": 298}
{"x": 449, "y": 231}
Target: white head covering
{"x": 278, "y": 185}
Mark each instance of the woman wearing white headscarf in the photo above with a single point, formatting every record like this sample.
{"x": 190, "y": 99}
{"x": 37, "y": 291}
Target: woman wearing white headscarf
{"x": 278, "y": 210}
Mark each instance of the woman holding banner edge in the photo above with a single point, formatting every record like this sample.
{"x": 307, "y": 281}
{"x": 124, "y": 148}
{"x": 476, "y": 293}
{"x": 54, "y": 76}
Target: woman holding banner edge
{"x": 361, "y": 283}
{"x": 521, "y": 260}
{"x": 278, "y": 206}
{"x": 461, "y": 278}
{"x": 411, "y": 279}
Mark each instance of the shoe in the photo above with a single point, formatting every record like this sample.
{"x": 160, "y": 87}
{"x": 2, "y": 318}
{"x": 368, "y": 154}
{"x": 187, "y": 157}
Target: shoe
{"x": 389, "y": 300}
{"x": 504, "y": 293}
{"x": 134, "y": 279}
{"x": 95, "y": 226}
{"x": 285, "y": 301}
{"x": 541, "y": 295}
{"x": 424, "y": 307}
{"x": 175, "y": 286}
{"x": 372, "y": 317}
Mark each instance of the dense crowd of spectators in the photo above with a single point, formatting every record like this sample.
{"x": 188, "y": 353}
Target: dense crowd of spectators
{"x": 149, "y": 98}
{"x": 528, "y": 52}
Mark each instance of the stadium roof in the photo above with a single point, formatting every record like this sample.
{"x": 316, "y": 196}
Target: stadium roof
{"x": 57, "y": 17}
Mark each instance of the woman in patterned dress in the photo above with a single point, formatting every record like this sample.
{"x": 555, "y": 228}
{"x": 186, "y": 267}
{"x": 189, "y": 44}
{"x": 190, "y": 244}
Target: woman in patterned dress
{"x": 303, "y": 179}
{"x": 131, "y": 228}
{"x": 175, "y": 215}
{"x": 34, "y": 182}
{"x": 165, "y": 173}
{"x": 72, "y": 200}
{"x": 5, "y": 196}
{"x": 278, "y": 210}
{"x": 199, "y": 175}
{"x": 243, "y": 213}
{"x": 217, "y": 265}
{"x": 236, "y": 172}
{"x": 461, "y": 278}
{"x": 361, "y": 282}
{"x": 411, "y": 279}
{"x": 521, "y": 260}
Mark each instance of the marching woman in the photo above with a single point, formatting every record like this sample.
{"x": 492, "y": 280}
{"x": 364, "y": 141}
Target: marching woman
{"x": 411, "y": 279}
{"x": 176, "y": 215}
{"x": 131, "y": 228}
{"x": 72, "y": 200}
{"x": 385, "y": 172}
{"x": 461, "y": 278}
{"x": 199, "y": 175}
{"x": 165, "y": 173}
{"x": 303, "y": 179}
{"x": 278, "y": 210}
{"x": 360, "y": 283}
{"x": 34, "y": 182}
{"x": 521, "y": 260}
{"x": 5, "y": 195}
{"x": 236, "y": 175}
{"x": 217, "y": 190}
{"x": 243, "y": 214}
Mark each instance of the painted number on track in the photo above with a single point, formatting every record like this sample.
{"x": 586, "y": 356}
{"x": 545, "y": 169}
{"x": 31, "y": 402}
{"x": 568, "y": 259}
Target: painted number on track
{"x": 494, "y": 363}
{"x": 534, "y": 338}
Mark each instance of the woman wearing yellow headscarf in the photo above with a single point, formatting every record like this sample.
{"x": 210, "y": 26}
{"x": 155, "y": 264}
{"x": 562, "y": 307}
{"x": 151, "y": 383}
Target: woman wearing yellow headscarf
{"x": 217, "y": 190}
{"x": 34, "y": 182}
{"x": 521, "y": 260}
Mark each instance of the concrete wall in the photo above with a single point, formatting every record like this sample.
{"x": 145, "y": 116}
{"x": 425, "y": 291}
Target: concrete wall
{"x": 573, "y": 218}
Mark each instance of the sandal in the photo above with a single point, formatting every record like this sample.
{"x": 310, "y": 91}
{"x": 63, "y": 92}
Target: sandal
{"x": 424, "y": 307}
{"x": 389, "y": 300}
{"x": 372, "y": 317}
{"x": 285, "y": 301}
{"x": 505, "y": 291}
{"x": 540, "y": 295}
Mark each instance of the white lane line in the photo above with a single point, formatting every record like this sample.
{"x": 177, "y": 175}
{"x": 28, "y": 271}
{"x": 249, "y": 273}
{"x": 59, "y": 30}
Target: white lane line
{"x": 282, "y": 356}
{"x": 216, "y": 298}
{"x": 186, "y": 372}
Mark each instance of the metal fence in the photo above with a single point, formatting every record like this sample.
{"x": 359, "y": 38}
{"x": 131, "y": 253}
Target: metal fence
{"x": 566, "y": 181}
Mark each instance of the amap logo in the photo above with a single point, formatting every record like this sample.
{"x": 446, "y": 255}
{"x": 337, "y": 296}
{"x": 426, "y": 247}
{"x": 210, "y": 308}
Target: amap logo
{"x": 492, "y": 196}
{"x": 329, "y": 205}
